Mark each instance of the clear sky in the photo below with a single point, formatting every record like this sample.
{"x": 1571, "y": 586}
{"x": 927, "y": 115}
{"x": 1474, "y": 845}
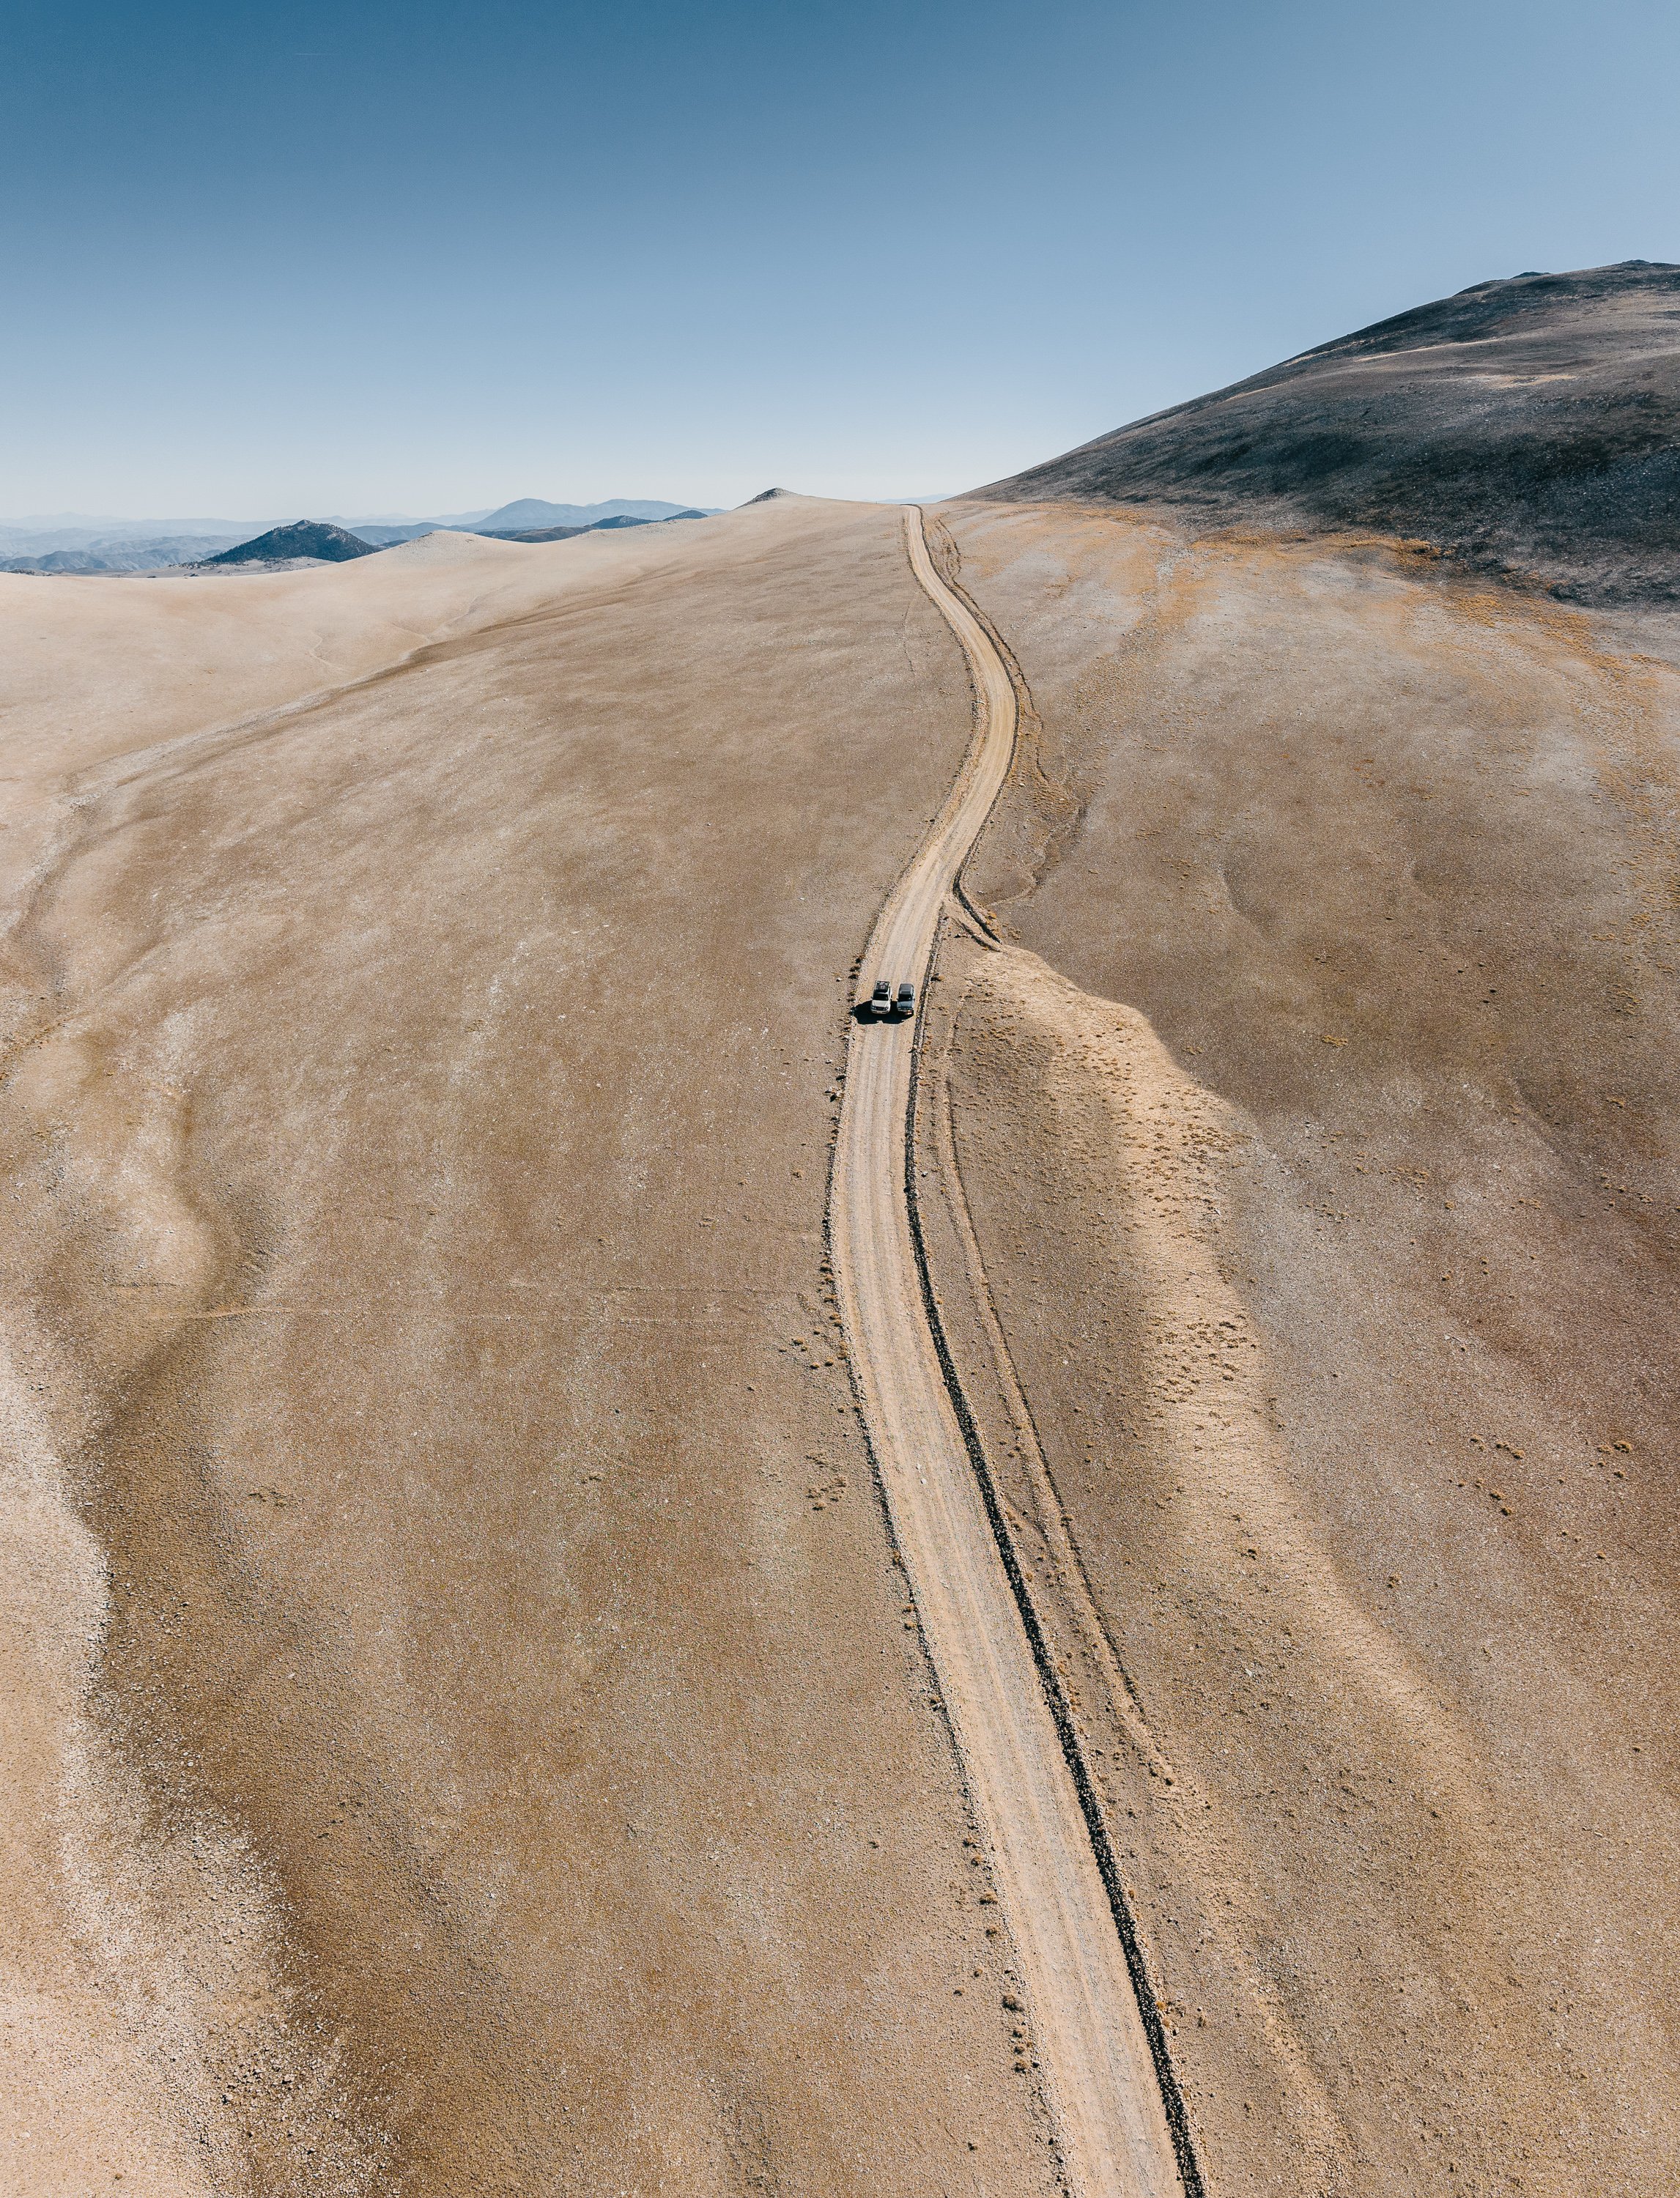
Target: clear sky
{"x": 361, "y": 257}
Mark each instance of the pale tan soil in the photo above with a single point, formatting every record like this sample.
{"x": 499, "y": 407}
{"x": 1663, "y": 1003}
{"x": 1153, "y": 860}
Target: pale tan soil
{"x": 457, "y": 1670}
{"x": 463, "y": 1730}
{"x": 1319, "y": 1139}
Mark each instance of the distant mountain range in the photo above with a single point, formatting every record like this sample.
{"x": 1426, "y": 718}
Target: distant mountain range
{"x": 532, "y": 511}
{"x": 68, "y": 542}
{"x": 106, "y": 555}
{"x": 525, "y": 517}
{"x": 72, "y": 530}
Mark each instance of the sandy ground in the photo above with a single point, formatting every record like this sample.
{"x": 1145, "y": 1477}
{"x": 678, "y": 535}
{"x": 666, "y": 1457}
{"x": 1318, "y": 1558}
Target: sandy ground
{"x": 464, "y": 1732}
{"x": 1317, "y": 1131}
{"x": 465, "y": 1728}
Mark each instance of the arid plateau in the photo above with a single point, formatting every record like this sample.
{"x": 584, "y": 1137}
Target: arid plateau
{"x": 617, "y": 1578}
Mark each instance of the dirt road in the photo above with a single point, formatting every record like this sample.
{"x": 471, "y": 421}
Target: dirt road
{"x": 1095, "y": 2055}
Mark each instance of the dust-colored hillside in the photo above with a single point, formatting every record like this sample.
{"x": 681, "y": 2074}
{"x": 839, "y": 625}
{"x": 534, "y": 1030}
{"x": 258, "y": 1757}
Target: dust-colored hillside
{"x": 465, "y": 1732}
{"x": 1530, "y": 425}
{"x": 1318, "y": 1125}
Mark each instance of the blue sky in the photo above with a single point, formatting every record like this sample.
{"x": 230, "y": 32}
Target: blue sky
{"x": 364, "y": 258}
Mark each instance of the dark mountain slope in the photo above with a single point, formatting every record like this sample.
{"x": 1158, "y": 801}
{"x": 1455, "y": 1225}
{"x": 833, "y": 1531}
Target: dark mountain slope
{"x": 1531, "y": 424}
{"x": 304, "y": 537}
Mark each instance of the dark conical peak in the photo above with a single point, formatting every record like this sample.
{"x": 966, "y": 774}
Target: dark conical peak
{"x": 304, "y": 537}
{"x": 766, "y": 494}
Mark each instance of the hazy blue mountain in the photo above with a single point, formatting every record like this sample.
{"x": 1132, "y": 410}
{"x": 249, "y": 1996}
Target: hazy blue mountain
{"x": 104, "y": 556}
{"x": 529, "y": 511}
{"x": 627, "y": 521}
{"x": 545, "y": 533}
{"x": 75, "y": 542}
{"x": 565, "y": 534}
{"x": 38, "y": 537}
{"x": 381, "y": 537}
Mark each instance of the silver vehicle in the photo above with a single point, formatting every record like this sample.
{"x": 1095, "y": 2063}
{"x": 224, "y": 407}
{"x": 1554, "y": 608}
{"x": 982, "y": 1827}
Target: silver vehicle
{"x": 906, "y": 1001}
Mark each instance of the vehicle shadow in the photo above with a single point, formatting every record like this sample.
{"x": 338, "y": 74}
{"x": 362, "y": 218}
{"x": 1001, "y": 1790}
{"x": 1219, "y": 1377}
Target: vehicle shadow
{"x": 863, "y": 1013}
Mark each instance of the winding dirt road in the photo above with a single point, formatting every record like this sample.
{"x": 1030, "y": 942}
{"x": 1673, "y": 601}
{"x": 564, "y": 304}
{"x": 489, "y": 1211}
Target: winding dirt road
{"x": 1092, "y": 2044}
